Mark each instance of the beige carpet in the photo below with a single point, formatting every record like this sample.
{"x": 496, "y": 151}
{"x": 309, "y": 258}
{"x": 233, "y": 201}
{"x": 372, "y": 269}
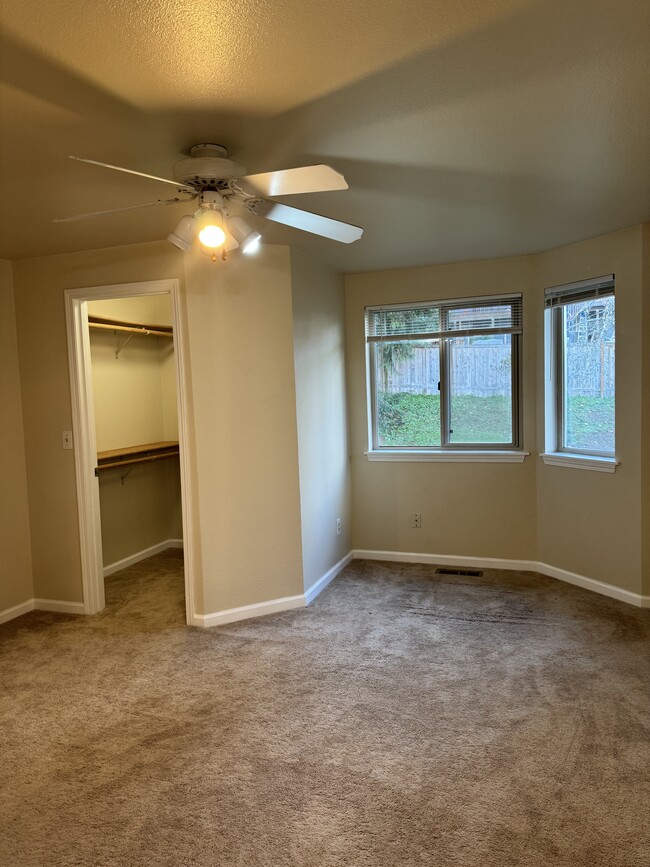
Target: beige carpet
{"x": 403, "y": 719}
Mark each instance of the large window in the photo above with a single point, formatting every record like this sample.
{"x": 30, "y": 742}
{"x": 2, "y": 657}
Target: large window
{"x": 581, "y": 342}
{"x": 445, "y": 375}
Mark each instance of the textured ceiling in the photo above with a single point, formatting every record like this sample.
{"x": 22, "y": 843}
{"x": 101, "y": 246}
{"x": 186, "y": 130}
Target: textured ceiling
{"x": 465, "y": 129}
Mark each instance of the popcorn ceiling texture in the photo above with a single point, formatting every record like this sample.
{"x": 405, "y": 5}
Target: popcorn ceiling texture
{"x": 466, "y": 130}
{"x": 403, "y": 719}
{"x": 264, "y": 55}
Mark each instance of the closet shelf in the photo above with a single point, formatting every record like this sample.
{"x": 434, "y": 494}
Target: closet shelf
{"x": 105, "y": 324}
{"x": 106, "y": 460}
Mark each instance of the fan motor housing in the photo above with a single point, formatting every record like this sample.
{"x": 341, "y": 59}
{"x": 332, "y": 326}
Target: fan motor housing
{"x": 207, "y": 168}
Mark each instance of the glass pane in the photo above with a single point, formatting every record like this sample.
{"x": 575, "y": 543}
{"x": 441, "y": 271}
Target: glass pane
{"x": 480, "y": 393}
{"x": 407, "y": 374}
{"x": 588, "y": 387}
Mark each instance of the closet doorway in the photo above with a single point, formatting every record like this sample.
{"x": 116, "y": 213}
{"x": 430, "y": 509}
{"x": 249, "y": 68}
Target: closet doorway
{"x": 129, "y": 414}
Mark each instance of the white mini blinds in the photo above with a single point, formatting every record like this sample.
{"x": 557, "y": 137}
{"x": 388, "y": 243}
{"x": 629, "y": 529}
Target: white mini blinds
{"x": 585, "y": 290}
{"x": 501, "y": 314}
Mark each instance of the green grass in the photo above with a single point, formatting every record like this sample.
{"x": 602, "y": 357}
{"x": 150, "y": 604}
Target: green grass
{"x": 409, "y": 419}
{"x": 590, "y": 423}
{"x": 414, "y": 420}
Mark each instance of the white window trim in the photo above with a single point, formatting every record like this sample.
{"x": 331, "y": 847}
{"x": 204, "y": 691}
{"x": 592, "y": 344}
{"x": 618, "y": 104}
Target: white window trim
{"x": 580, "y": 462}
{"x": 458, "y": 453}
{"x": 468, "y": 456}
{"x": 552, "y": 457}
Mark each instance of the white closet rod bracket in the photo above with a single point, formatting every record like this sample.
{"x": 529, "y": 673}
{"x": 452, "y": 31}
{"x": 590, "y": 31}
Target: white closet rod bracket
{"x": 122, "y": 345}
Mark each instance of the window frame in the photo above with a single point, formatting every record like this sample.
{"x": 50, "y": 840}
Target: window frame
{"x": 557, "y": 299}
{"x": 443, "y": 339}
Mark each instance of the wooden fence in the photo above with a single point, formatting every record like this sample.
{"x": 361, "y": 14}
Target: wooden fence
{"x": 484, "y": 371}
{"x": 591, "y": 369}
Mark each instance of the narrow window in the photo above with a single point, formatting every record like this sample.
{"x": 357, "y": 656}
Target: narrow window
{"x": 581, "y": 344}
{"x": 444, "y": 375}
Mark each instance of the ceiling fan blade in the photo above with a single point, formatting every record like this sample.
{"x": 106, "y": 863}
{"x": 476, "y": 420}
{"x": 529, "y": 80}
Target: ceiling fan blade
{"x": 176, "y": 184}
{"x": 119, "y": 210}
{"x": 308, "y": 222}
{"x": 287, "y": 182}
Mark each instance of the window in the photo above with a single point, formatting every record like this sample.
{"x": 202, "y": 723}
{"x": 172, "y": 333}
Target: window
{"x": 580, "y": 344}
{"x": 445, "y": 375}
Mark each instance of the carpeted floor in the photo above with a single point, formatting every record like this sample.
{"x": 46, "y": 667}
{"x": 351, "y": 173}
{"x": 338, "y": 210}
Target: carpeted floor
{"x": 403, "y": 719}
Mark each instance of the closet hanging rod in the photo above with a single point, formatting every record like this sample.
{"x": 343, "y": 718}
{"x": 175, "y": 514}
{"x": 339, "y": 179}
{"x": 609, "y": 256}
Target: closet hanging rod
{"x": 136, "y": 454}
{"x": 142, "y": 460}
{"x": 104, "y": 324}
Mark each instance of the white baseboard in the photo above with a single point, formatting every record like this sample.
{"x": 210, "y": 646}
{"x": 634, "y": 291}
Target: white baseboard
{"x": 58, "y": 605}
{"x": 273, "y": 606}
{"x": 230, "y": 615}
{"x": 447, "y": 560}
{"x": 515, "y": 565}
{"x": 16, "y": 610}
{"x": 288, "y": 603}
{"x": 41, "y": 605}
{"x": 327, "y": 578}
{"x": 595, "y": 586}
{"x": 142, "y": 555}
{"x": 258, "y": 609}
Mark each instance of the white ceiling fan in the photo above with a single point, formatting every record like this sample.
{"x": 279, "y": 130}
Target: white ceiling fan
{"x": 222, "y": 188}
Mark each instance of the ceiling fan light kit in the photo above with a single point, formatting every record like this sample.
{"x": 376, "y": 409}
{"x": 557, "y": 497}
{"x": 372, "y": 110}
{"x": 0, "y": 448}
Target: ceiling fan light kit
{"x": 209, "y": 218}
{"x": 247, "y": 238}
{"x": 184, "y": 233}
{"x": 220, "y": 183}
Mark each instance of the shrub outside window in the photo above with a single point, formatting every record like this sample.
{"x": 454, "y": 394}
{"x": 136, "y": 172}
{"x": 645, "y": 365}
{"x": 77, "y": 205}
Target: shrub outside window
{"x": 445, "y": 375}
{"x": 581, "y": 354}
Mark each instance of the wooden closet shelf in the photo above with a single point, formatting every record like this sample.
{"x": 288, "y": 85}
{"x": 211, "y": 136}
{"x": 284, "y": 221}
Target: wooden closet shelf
{"x": 105, "y": 324}
{"x": 136, "y": 455}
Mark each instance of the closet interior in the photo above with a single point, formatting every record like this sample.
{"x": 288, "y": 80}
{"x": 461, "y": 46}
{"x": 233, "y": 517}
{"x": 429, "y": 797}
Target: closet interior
{"x": 136, "y": 425}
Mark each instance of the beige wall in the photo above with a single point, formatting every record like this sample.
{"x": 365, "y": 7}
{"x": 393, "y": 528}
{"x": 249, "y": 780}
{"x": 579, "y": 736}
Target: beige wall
{"x": 135, "y": 403}
{"x": 39, "y": 290}
{"x": 145, "y": 309}
{"x": 141, "y": 511}
{"x": 127, "y": 391}
{"x": 646, "y": 411}
{"x": 319, "y": 358}
{"x": 134, "y": 394}
{"x": 15, "y": 556}
{"x": 244, "y": 429}
{"x": 241, "y": 417}
{"x": 481, "y": 510}
{"x": 244, "y": 434}
{"x": 593, "y": 524}
{"x": 588, "y": 522}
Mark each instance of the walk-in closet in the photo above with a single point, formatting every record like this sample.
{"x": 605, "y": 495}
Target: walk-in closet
{"x": 136, "y": 423}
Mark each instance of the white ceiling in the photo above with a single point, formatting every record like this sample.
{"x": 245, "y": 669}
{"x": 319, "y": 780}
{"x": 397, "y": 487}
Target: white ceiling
{"x": 466, "y": 128}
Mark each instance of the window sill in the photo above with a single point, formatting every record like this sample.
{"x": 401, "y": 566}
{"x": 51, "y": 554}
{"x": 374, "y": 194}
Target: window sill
{"x": 580, "y": 462}
{"x": 447, "y": 456}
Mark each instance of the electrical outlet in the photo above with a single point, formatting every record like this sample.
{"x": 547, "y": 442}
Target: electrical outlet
{"x": 338, "y": 526}
{"x": 416, "y": 520}
{"x": 66, "y": 439}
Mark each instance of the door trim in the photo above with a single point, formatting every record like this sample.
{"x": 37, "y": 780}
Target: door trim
{"x": 84, "y": 439}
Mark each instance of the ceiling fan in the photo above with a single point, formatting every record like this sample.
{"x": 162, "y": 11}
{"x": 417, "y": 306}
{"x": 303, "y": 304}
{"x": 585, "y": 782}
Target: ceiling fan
{"x": 221, "y": 186}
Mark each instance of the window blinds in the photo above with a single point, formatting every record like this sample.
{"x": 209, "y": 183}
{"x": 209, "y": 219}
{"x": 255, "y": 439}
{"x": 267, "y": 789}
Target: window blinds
{"x": 501, "y": 314}
{"x": 585, "y": 290}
